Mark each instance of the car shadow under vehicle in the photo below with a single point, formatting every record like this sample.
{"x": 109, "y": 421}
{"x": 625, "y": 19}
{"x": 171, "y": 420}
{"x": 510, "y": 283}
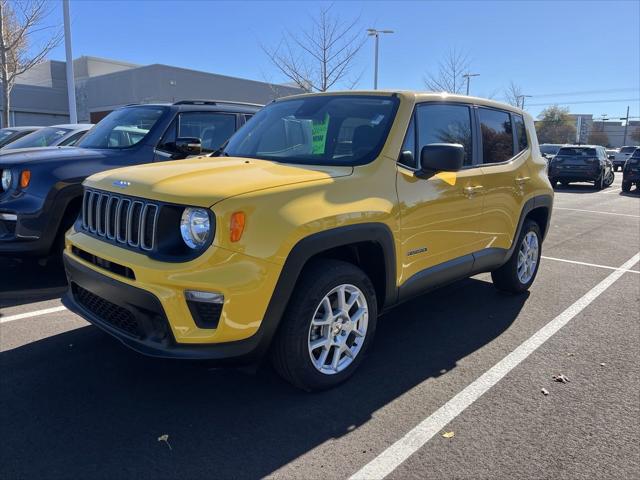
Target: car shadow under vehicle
{"x": 80, "y": 405}
{"x": 580, "y": 188}
{"x": 27, "y": 281}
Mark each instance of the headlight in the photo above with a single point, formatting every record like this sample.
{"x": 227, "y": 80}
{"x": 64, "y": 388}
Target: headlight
{"x": 195, "y": 227}
{"x": 7, "y": 178}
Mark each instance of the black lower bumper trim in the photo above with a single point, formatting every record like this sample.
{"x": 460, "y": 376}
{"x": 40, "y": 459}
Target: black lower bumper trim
{"x": 136, "y": 318}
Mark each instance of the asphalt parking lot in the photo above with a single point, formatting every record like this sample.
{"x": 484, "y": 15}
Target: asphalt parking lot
{"x": 466, "y": 361}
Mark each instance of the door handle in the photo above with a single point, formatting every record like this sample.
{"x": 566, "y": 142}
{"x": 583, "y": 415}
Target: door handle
{"x": 469, "y": 191}
{"x": 522, "y": 180}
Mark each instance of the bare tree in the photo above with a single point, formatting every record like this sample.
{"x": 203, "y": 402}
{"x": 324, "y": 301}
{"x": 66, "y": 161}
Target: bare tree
{"x": 20, "y": 22}
{"x": 321, "y": 56}
{"x": 513, "y": 94}
{"x": 449, "y": 77}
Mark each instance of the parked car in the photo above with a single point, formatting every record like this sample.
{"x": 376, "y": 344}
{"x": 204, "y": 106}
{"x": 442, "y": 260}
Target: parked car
{"x": 11, "y": 134}
{"x": 581, "y": 163}
{"x": 41, "y": 190}
{"x": 56, "y": 135}
{"x": 549, "y": 150}
{"x": 611, "y": 153}
{"x": 622, "y": 156}
{"x": 631, "y": 172}
{"x": 323, "y": 211}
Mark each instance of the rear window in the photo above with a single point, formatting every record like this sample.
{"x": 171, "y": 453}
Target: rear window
{"x": 627, "y": 149}
{"x": 497, "y": 135}
{"x": 549, "y": 149}
{"x": 577, "y": 152}
{"x": 521, "y": 132}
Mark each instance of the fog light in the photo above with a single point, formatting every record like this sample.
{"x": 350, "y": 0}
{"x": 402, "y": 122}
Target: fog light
{"x": 206, "y": 297}
{"x": 205, "y": 307}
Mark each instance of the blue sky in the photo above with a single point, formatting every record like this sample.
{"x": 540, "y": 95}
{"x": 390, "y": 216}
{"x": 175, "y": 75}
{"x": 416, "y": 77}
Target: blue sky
{"x": 547, "y": 47}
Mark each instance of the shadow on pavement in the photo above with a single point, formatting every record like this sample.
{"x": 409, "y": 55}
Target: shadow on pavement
{"x": 80, "y": 405}
{"x": 26, "y": 281}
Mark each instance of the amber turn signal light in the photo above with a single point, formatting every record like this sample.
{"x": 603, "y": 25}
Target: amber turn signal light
{"x": 237, "y": 225}
{"x": 25, "y": 178}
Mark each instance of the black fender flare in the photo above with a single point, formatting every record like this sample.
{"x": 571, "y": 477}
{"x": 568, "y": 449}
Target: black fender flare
{"x": 539, "y": 201}
{"x": 317, "y": 243}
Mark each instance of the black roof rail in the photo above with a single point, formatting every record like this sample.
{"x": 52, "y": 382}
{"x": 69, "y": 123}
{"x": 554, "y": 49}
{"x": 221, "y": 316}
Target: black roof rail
{"x": 216, "y": 102}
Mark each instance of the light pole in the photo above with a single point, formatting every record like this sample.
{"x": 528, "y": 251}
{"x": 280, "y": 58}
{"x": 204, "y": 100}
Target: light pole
{"x": 468, "y": 77}
{"x": 372, "y": 32}
{"x": 522, "y": 97}
{"x": 71, "y": 83}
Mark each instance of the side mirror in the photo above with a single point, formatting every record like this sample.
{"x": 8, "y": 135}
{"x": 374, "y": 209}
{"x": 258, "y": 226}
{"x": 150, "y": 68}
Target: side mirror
{"x": 441, "y": 157}
{"x": 189, "y": 145}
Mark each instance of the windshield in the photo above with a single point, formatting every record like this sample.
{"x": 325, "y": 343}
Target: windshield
{"x": 627, "y": 149}
{"x": 549, "y": 149}
{"x": 41, "y": 138}
{"x": 318, "y": 130}
{"x": 122, "y": 128}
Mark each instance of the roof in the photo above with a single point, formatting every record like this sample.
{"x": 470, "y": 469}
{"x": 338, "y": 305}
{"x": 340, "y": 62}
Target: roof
{"x": 19, "y": 129}
{"x": 74, "y": 126}
{"x": 419, "y": 97}
{"x": 217, "y": 107}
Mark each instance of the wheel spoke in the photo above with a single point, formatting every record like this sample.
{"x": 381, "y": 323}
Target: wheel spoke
{"x": 342, "y": 301}
{"x": 321, "y": 342}
{"x": 322, "y": 359}
{"x": 337, "y": 353}
{"x": 358, "y": 315}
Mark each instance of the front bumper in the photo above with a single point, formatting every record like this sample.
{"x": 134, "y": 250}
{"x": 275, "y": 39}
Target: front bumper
{"x": 158, "y": 319}
{"x": 136, "y": 318}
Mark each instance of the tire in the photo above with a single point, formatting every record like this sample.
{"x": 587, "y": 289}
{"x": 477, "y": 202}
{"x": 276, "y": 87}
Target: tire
{"x": 599, "y": 183}
{"x": 554, "y": 182}
{"x": 609, "y": 179}
{"x": 292, "y": 351}
{"x": 626, "y": 186}
{"x": 506, "y": 277}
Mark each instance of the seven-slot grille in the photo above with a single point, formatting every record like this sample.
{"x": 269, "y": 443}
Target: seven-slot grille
{"x": 119, "y": 219}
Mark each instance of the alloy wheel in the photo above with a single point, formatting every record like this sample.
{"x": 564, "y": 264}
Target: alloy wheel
{"x": 528, "y": 257}
{"x": 338, "y": 329}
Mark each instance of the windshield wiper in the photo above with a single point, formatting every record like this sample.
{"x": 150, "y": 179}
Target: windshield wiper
{"x": 220, "y": 151}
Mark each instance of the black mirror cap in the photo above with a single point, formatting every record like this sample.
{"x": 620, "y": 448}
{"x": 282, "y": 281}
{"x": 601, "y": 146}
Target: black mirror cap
{"x": 441, "y": 157}
{"x": 189, "y": 145}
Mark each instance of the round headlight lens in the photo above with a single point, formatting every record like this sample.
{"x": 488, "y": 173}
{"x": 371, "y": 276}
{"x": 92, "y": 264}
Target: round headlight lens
{"x": 7, "y": 178}
{"x": 195, "y": 227}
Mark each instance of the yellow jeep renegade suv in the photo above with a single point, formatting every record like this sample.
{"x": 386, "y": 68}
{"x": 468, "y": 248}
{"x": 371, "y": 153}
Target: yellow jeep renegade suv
{"x": 322, "y": 211}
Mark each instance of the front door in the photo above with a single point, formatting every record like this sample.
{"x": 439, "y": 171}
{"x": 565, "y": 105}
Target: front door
{"x": 441, "y": 215}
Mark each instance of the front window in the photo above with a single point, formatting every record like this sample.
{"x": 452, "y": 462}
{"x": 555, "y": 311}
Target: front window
{"x": 41, "y": 138}
{"x": 212, "y": 128}
{"x": 122, "y": 128}
{"x": 319, "y": 130}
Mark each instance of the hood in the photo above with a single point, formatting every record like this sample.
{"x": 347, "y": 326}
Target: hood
{"x": 46, "y": 154}
{"x": 204, "y": 181}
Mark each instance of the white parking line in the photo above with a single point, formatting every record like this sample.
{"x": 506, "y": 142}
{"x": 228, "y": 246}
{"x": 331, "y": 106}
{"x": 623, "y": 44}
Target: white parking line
{"x": 588, "y": 264}
{"x": 597, "y": 211}
{"x": 396, "y": 454}
{"x": 37, "y": 313}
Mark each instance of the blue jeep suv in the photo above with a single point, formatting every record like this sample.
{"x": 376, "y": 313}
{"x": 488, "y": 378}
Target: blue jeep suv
{"x": 41, "y": 191}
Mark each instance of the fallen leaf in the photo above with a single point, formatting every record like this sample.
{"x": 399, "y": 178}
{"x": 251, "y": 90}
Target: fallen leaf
{"x": 570, "y": 354}
{"x": 603, "y": 364}
{"x": 449, "y": 434}
{"x": 545, "y": 391}
{"x": 165, "y": 438}
{"x": 561, "y": 378}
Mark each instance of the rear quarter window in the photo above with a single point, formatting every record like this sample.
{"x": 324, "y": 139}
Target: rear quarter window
{"x": 497, "y": 135}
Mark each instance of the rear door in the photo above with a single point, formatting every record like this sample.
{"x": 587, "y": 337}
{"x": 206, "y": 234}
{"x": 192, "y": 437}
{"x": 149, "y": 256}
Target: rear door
{"x": 440, "y": 215}
{"x": 507, "y": 181}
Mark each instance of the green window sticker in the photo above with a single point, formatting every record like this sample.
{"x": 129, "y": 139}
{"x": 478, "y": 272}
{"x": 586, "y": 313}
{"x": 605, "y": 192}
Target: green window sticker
{"x": 319, "y": 134}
